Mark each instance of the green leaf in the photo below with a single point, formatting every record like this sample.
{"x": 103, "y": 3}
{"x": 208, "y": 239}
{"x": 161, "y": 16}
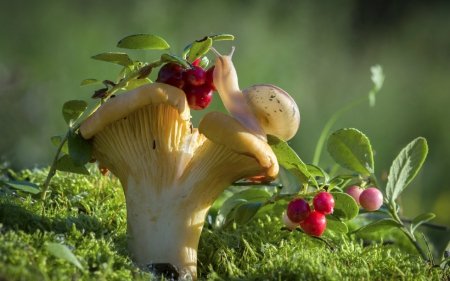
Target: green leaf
{"x": 245, "y": 212}
{"x": 116, "y": 58}
{"x": 345, "y": 206}
{"x": 65, "y": 165}
{"x": 80, "y": 150}
{"x": 334, "y": 183}
{"x": 56, "y": 140}
{"x": 248, "y": 195}
{"x": 137, "y": 83}
{"x": 228, "y": 207}
{"x": 90, "y": 81}
{"x": 24, "y": 186}
{"x": 289, "y": 159}
{"x": 316, "y": 171}
{"x": 143, "y": 42}
{"x": 351, "y": 149}
{"x": 220, "y": 37}
{"x": 405, "y": 167}
{"x": 381, "y": 225}
{"x": 335, "y": 224}
{"x": 204, "y": 62}
{"x": 199, "y": 48}
{"x": 63, "y": 252}
{"x": 420, "y": 219}
{"x": 165, "y": 58}
{"x": 72, "y": 110}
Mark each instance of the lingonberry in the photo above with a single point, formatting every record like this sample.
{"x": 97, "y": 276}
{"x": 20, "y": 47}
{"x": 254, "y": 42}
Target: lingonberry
{"x": 288, "y": 223}
{"x": 354, "y": 191}
{"x": 298, "y": 209}
{"x": 196, "y": 76}
{"x": 172, "y": 74}
{"x": 198, "y": 97}
{"x": 314, "y": 224}
{"x": 209, "y": 78}
{"x": 371, "y": 199}
{"x": 323, "y": 203}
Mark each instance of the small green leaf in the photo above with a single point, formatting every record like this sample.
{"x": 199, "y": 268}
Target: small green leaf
{"x": 316, "y": 171}
{"x": 90, "y": 81}
{"x": 116, "y": 58}
{"x": 245, "y": 212}
{"x": 220, "y": 37}
{"x": 165, "y": 58}
{"x": 65, "y": 165}
{"x": 63, "y": 252}
{"x": 72, "y": 110}
{"x": 405, "y": 167}
{"x": 289, "y": 159}
{"x": 199, "y": 48}
{"x": 228, "y": 207}
{"x": 345, "y": 206}
{"x": 381, "y": 225}
{"x": 334, "y": 183}
{"x": 420, "y": 219}
{"x": 80, "y": 150}
{"x": 136, "y": 83}
{"x": 351, "y": 149}
{"x": 56, "y": 140}
{"x": 143, "y": 42}
{"x": 335, "y": 224}
{"x": 24, "y": 186}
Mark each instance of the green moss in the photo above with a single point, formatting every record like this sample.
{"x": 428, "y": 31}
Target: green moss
{"x": 88, "y": 215}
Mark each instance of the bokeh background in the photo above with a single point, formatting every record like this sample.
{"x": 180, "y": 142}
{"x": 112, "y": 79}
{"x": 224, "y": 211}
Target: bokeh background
{"x": 318, "y": 51}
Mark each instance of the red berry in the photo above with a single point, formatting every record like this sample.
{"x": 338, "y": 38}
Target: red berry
{"x": 196, "y": 76}
{"x": 371, "y": 199}
{"x": 172, "y": 74}
{"x": 198, "y": 97}
{"x": 323, "y": 203}
{"x": 209, "y": 77}
{"x": 314, "y": 224}
{"x": 196, "y": 62}
{"x": 354, "y": 191}
{"x": 298, "y": 209}
{"x": 288, "y": 223}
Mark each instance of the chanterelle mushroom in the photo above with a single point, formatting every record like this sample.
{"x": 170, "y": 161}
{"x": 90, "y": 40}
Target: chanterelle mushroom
{"x": 171, "y": 173}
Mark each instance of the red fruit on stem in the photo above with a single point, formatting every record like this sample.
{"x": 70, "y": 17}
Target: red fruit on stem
{"x": 209, "y": 77}
{"x": 323, "y": 203}
{"x": 371, "y": 199}
{"x": 196, "y": 76}
{"x": 196, "y": 62}
{"x": 172, "y": 74}
{"x": 314, "y": 224}
{"x": 298, "y": 209}
{"x": 198, "y": 97}
{"x": 354, "y": 191}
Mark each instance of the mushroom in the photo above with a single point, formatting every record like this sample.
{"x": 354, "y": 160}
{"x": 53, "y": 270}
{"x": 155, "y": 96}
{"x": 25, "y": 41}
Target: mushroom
{"x": 171, "y": 173}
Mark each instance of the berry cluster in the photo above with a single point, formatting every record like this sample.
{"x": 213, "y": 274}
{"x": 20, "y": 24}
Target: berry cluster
{"x": 312, "y": 222}
{"x": 197, "y": 83}
{"x": 370, "y": 198}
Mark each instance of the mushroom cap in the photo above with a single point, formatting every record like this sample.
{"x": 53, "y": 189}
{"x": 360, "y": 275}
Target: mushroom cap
{"x": 275, "y": 109}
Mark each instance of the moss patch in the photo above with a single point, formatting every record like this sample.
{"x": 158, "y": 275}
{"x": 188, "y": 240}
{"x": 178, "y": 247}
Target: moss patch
{"x": 87, "y": 214}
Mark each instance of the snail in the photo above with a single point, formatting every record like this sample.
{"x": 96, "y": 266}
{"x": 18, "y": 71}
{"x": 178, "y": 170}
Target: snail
{"x": 262, "y": 109}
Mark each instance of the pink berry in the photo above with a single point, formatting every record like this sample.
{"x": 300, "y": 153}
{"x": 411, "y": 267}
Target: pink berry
{"x": 196, "y": 76}
{"x": 323, "y": 203}
{"x": 209, "y": 78}
{"x": 354, "y": 191}
{"x": 198, "y": 97}
{"x": 314, "y": 224}
{"x": 298, "y": 209}
{"x": 172, "y": 74}
{"x": 288, "y": 223}
{"x": 371, "y": 199}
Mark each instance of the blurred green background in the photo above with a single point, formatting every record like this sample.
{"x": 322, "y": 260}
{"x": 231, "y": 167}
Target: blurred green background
{"x": 318, "y": 51}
